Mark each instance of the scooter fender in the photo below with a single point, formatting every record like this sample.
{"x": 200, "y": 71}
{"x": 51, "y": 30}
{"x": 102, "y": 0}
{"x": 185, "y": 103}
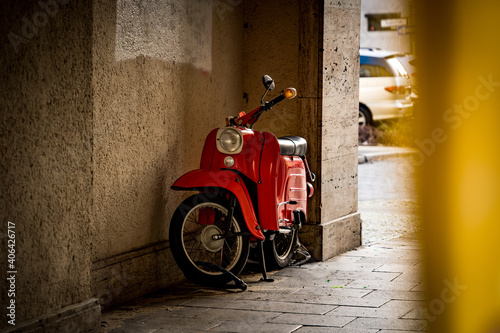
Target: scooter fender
{"x": 210, "y": 181}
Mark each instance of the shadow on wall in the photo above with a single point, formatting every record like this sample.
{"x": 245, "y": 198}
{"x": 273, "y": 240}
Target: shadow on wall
{"x": 159, "y": 88}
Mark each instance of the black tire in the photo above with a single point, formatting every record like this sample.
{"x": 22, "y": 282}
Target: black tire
{"x": 365, "y": 116}
{"x": 279, "y": 251}
{"x": 194, "y": 249}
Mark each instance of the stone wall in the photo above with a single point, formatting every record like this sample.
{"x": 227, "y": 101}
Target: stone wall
{"x": 46, "y": 133}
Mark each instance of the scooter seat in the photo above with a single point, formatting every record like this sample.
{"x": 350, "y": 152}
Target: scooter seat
{"x": 293, "y": 146}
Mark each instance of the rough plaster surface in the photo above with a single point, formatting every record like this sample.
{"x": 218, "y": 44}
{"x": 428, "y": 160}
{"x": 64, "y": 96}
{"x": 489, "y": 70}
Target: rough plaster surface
{"x": 152, "y": 114}
{"x": 272, "y": 48}
{"x": 46, "y": 154}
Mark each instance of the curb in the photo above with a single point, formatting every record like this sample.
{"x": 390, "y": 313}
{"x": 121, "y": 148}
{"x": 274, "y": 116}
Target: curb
{"x": 370, "y": 157}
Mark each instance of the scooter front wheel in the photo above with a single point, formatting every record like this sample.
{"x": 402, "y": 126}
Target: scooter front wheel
{"x": 201, "y": 245}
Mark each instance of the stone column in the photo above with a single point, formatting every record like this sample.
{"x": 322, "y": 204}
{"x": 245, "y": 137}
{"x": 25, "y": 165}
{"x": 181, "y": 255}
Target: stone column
{"x": 329, "y": 85}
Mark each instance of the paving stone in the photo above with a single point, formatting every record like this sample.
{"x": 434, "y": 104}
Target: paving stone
{"x": 385, "y": 276}
{"x": 418, "y": 313}
{"x": 390, "y": 260}
{"x": 409, "y": 305}
{"x": 410, "y": 276}
{"x": 397, "y": 268}
{"x": 357, "y": 267}
{"x": 318, "y": 329}
{"x": 335, "y": 292}
{"x": 382, "y": 285}
{"x": 257, "y": 305}
{"x": 350, "y": 301}
{"x": 237, "y": 327}
{"x": 247, "y": 316}
{"x": 313, "y": 320}
{"x": 379, "y": 252}
{"x": 369, "y": 312}
{"x": 398, "y": 331}
{"x": 419, "y": 287}
{"x": 383, "y": 323}
{"x": 329, "y": 299}
{"x": 185, "y": 312}
{"x": 160, "y": 320}
{"x": 397, "y": 295}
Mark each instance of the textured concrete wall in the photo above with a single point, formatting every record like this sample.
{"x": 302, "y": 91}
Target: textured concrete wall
{"x": 156, "y": 97}
{"x": 46, "y": 154}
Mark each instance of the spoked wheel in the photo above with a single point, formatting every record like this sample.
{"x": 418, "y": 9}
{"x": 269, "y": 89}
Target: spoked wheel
{"x": 199, "y": 241}
{"x": 279, "y": 251}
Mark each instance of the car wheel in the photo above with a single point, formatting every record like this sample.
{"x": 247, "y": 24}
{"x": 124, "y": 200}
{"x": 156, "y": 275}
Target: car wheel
{"x": 364, "y": 116}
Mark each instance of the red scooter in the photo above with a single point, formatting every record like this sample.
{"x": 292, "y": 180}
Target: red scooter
{"x": 252, "y": 188}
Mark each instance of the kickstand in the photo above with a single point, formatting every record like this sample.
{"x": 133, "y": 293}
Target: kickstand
{"x": 263, "y": 264}
{"x": 238, "y": 283}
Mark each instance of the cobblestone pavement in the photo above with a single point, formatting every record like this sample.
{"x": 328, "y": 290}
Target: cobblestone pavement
{"x": 375, "y": 288}
{"x": 387, "y": 199}
{"x": 372, "y": 289}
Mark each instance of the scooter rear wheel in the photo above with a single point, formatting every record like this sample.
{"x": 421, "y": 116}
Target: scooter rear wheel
{"x": 279, "y": 251}
{"x": 197, "y": 252}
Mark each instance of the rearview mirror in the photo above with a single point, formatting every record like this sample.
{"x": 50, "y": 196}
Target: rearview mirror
{"x": 268, "y": 82}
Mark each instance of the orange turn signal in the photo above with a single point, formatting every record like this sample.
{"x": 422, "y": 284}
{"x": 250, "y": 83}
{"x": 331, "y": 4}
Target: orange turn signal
{"x": 290, "y": 93}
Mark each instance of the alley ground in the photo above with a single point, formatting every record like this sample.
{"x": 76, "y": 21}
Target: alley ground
{"x": 387, "y": 198}
{"x": 375, "y": 288}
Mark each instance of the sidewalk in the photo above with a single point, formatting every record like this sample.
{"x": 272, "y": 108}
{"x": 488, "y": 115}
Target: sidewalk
{"x": 371, "y": 289}
{"x": 371, "y": 153}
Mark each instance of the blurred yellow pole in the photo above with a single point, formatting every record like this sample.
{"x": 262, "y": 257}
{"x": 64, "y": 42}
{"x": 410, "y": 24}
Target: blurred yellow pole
{"x": 459, "y": 73}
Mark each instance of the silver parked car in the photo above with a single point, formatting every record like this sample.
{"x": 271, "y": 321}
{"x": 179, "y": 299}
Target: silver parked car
{"x": 384, "y": 86}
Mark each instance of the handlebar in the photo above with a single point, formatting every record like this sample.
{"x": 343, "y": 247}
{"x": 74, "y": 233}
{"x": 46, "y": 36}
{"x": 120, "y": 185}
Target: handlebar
{"x": 252, "y": 117}
{"x": 268, "y": 105}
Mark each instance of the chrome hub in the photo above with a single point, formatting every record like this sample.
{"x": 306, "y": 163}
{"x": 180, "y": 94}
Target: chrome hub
{"x": 211, "y": 243}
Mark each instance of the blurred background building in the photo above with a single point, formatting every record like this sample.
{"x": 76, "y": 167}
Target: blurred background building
{"x": 388, "y": 25}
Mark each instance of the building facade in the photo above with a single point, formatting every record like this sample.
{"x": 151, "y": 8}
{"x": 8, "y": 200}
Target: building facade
{"x": 106, "y": 103}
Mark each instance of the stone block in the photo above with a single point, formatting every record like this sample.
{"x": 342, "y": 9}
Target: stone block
{"x": 82, "y": 317}
{"x": 313, "y": 320}
{"x": 133, "y": 274}
{"x": 390, "y": 324}
{"x": 257, "y": 328}
{"x": 329, "y": 239}
{"x": 257, "y": 305}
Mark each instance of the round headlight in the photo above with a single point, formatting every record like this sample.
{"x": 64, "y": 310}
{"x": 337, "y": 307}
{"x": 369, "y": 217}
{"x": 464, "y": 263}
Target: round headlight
{"x": 230, "y": 140}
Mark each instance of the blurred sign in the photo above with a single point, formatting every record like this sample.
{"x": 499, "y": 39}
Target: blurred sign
{"x": 393, "y": 22}
{"x": 405, "y": 30}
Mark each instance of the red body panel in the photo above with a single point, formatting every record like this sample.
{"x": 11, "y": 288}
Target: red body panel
{"x": 268, "y": 189}
{"x": 203, "y": 179}
{"x": 276, "y": 179}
